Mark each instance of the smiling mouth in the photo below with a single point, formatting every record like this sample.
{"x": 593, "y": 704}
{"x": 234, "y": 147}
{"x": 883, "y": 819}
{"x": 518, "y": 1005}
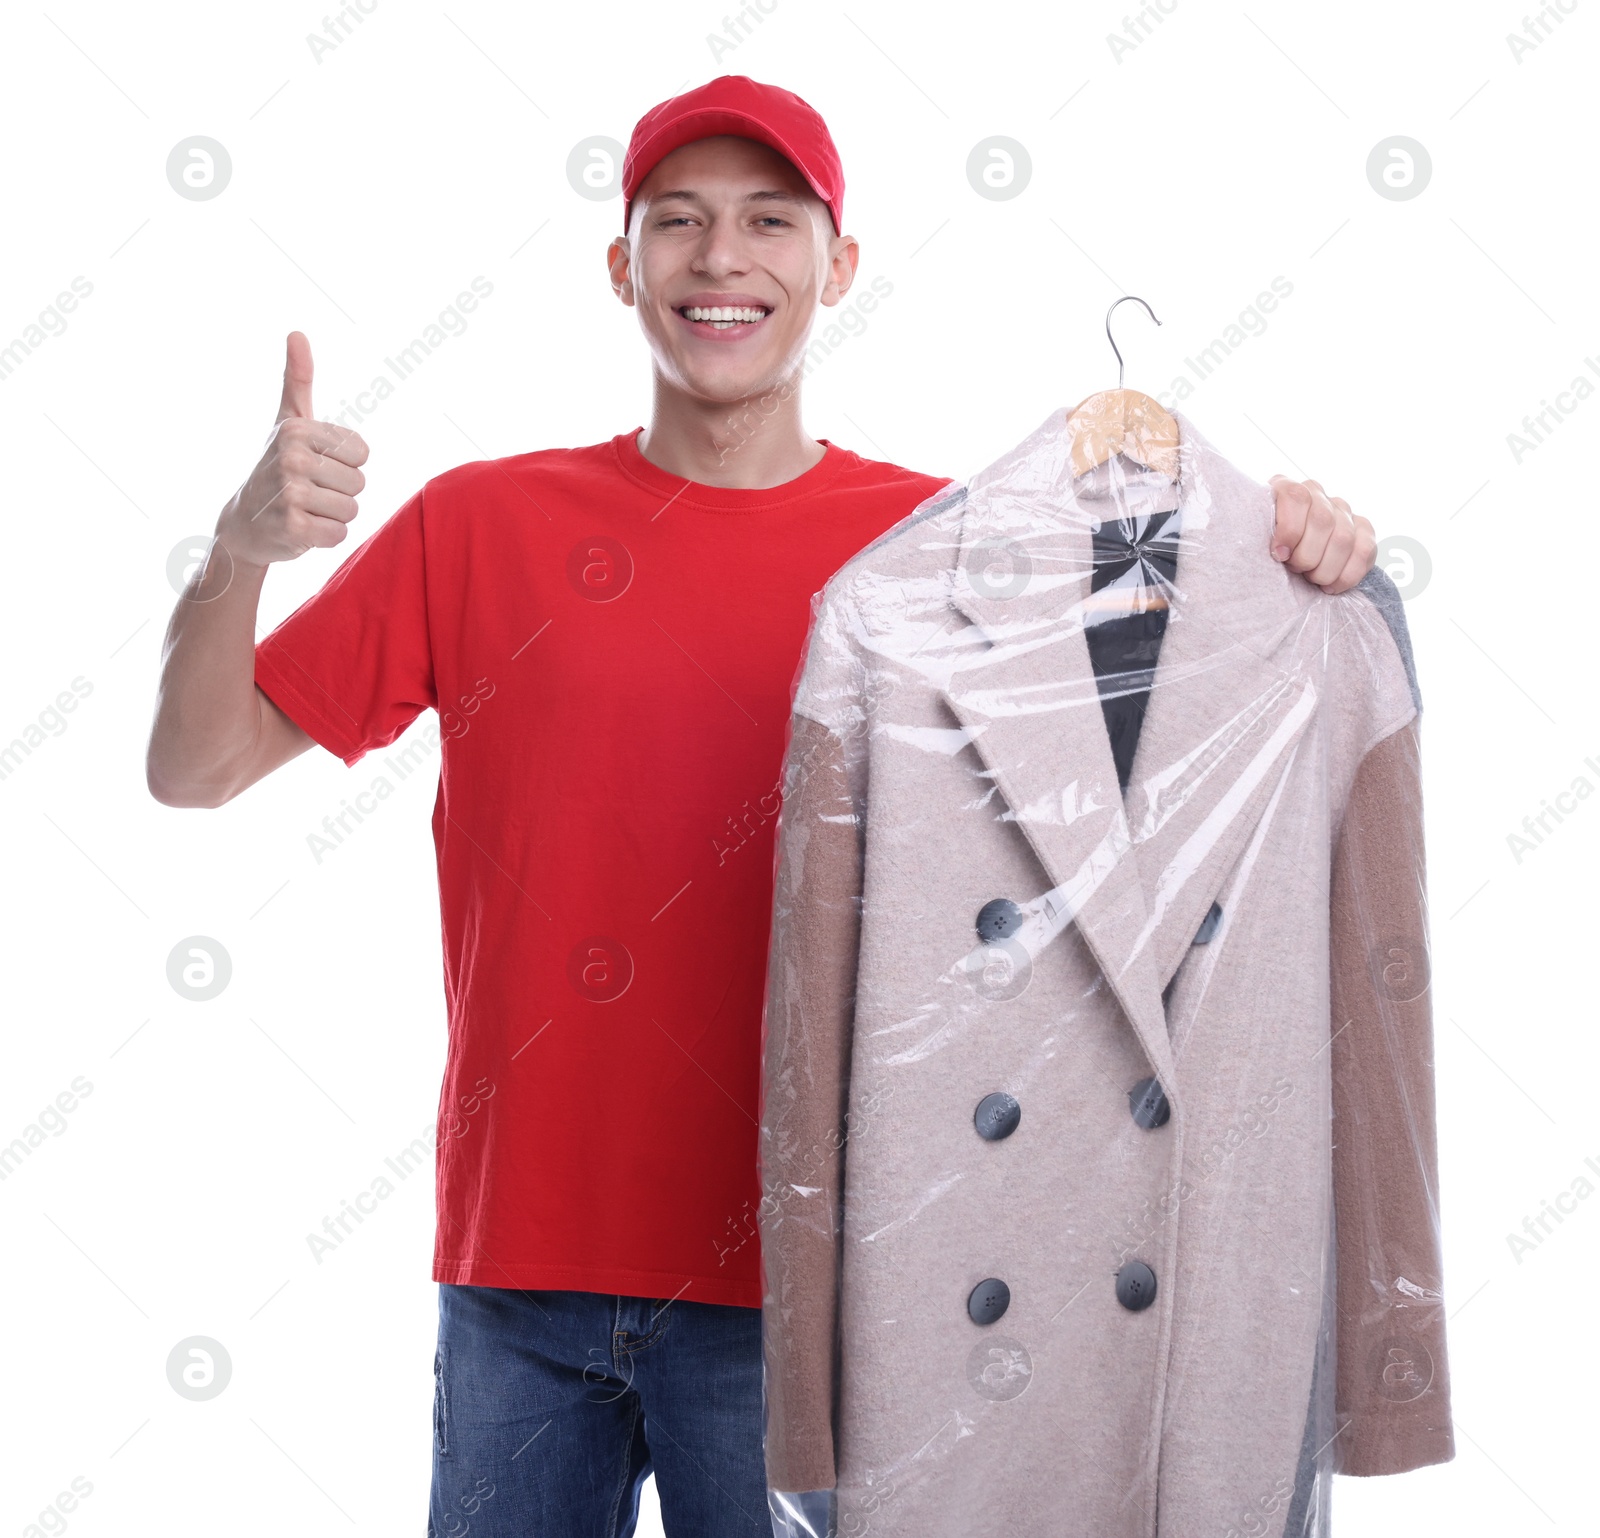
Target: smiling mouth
{"x": 724, "y": 317}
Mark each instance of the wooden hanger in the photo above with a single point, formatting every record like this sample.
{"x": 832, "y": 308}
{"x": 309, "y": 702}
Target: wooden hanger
{"x": 1123, "y": 422}
{"x": 1139, "y": 428}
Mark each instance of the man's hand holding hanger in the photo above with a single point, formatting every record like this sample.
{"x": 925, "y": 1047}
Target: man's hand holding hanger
{"x": 1319, "y": 537}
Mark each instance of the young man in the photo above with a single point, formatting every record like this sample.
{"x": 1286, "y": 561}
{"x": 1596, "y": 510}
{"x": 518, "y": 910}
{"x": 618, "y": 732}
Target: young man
{"x": 609, "y": 635}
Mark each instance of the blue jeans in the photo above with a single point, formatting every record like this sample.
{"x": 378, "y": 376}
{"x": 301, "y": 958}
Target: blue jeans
{"x": 551, "y": 1407}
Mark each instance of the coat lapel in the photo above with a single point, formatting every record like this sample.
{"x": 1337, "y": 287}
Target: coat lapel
{"x": 1025, "y": 691}
{"x": 1136, "y": 877}
{"x": 1224, "y": 718}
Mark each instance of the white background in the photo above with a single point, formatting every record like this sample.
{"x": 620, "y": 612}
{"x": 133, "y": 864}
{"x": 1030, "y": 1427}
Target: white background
{"x": 430, "y": 147}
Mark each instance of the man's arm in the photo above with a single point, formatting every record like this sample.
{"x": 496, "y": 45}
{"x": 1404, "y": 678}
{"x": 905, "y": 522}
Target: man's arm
{"x": 1319, "y": 537}
{"x": 215, "y": 732}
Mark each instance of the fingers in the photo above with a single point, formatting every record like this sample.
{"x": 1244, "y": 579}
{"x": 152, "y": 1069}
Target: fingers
{"x": 296, "y": 400}
{"x": 324, "y": 438}
{"x": 1291, "y": 509}
{"x": 336, "y": 476}
{"x": 299, "y": 461}
{"x": 294, "y": 410}
{"x": 314, "y": 532}
{"x": 1319, "y": 536}
{"x": 341, "y": 443}
{"x": 330, "y": 506}
{"x": 1361, "y": 558}
{"x": 302, "y": 492}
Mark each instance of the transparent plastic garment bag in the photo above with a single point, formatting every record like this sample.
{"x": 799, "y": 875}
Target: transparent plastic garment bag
{"x": 1098, "y": 1149}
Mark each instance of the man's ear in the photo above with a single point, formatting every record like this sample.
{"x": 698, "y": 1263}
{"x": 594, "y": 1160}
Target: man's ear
{"x": 844, "y": 256}
{"x": 619, "y": 260}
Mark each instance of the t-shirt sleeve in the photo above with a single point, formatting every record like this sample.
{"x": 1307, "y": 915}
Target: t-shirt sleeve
{"x": 353, "y": 665}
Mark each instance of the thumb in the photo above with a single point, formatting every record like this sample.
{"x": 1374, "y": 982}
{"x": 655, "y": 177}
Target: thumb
{"x": 296, "y": 400}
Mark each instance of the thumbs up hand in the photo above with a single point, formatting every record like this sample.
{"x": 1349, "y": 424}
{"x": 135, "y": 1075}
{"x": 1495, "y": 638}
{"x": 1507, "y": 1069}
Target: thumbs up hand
{"x": 302, "y": 491}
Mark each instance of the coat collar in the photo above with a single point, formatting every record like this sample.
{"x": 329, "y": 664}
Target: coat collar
{"x": 1136, "y": 876}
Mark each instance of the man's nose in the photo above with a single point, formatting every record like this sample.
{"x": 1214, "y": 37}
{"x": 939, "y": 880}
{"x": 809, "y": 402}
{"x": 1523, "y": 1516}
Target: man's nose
{"x": 722, "y": 247}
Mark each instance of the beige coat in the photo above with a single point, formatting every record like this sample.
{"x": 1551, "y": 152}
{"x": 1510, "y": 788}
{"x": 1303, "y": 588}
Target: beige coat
{"x": 949, "y": 751}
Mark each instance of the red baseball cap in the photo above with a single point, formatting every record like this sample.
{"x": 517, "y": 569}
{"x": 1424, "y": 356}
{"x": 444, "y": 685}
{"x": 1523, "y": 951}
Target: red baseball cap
{"x": 736, "y": 104}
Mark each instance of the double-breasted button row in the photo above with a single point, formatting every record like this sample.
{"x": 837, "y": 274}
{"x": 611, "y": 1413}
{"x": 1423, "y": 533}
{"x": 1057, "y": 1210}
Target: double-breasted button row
{"x": 1135, "y": 1288}
{"x": 998, "y": 1115}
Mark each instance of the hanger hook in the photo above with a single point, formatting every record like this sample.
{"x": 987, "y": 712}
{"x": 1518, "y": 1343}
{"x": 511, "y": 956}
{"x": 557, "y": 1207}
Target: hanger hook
{"x": 1123, "y": 300}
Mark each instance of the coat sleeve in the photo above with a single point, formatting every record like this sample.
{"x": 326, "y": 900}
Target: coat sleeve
{"x": 809, "y": 1031}
{"x": 1393, "y": 1390}
{"x": 805, "y": 1093}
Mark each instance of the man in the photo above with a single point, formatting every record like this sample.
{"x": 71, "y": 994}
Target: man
{"x": 609, "y": 635}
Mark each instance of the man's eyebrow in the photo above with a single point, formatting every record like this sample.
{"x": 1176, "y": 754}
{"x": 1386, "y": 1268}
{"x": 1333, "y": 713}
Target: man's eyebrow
{"x": 688, "y": 195}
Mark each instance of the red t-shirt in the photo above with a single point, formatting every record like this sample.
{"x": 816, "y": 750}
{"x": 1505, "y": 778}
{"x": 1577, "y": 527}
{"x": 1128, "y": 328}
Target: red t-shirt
{"x": 611, "y": 650}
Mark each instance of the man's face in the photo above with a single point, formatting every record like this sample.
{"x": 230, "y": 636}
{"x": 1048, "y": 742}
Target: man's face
{"x": 728, "y": 224}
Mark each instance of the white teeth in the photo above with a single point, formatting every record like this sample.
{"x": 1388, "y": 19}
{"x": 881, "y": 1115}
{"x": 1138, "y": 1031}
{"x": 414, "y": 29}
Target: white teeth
{"x": 725, "y": 315}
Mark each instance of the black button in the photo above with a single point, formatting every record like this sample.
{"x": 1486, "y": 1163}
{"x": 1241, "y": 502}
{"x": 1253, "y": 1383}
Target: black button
{"x": 1148, "y": 1102}
{"x": 1208, "y": 926}
{"x": 998, "y": 920}
{"x": 989, "y": 1300}
{"x": 1136, "y": 1286}
{"x": 997, "y": 1116}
